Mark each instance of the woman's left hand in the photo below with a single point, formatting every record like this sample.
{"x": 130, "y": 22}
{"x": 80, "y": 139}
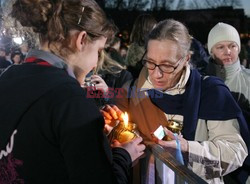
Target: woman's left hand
{"x": 172, "y": 142}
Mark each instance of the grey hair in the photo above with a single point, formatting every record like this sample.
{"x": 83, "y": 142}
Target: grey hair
{"x": 170, "y": 29}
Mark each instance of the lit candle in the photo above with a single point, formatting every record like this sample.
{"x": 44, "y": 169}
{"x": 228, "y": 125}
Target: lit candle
{"x": 125, "y": 119}
{"x": 126, "y": 135}
{"x": 124, "y": 131}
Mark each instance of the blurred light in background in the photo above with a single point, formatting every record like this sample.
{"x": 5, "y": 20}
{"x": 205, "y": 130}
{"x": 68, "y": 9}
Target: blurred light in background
{"x": 18, "y": 40}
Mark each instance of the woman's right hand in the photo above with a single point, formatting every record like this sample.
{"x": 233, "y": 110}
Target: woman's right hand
{"x": 100, "y": 84}
{"x": 172, "y": 142}
{"x": 135, "y": 148}
{"x": 111, "y": 114}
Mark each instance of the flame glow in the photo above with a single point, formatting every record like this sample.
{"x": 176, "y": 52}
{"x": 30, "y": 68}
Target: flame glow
{"x": 125, "y": 119}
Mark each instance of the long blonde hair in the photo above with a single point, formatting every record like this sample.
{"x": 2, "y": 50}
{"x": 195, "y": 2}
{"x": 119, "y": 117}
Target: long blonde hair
{"x": 106, "y": 63}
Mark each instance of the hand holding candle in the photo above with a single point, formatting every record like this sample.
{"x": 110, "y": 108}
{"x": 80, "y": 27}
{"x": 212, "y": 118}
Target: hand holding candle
{"x": 135, "y": 148}
{"x": 174, "y": 126}
{"x": 124, "y": 131}
{"x": 126, "y": 136}
{"x": 111, "y": 114}
{"x": 171, "y": 143}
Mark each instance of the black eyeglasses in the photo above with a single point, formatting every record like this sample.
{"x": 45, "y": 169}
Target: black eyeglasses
{"x": 163, "y": 67}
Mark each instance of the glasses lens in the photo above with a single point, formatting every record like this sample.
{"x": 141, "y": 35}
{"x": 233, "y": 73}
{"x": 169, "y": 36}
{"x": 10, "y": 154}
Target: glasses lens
{"x": 166, "y": 69}
{"x": 149, "y": 65}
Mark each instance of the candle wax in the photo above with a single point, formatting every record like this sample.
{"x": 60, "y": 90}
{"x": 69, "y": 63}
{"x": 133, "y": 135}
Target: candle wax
{"x": 126, "y": 136}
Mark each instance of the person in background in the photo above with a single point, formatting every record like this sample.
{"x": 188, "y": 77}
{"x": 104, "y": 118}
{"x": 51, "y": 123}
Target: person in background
{"x": 107, "y": 79}
{"x": 24, "y": 49}
{"x": 243, "y": 55}
{"x": 248, "y": 54}
{"x": 199, "y": 58}
{"x": 224, "y": 47}
{"x": 4, "y": 63}
{"x": 214, "y": 137}
{"x": 16, "y": 57}
{"x": 114, "y": 50}
{"x": 56, "y": 133}
{"x": 142, "y": 26}
{"x": 123, "y": 51}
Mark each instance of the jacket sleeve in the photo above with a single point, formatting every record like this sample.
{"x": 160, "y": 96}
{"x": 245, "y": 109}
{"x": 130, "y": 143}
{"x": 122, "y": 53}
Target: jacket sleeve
{"x": 121, "y": 165}
{"x": 124, "y": 77}
{"x": 223, "y": 152}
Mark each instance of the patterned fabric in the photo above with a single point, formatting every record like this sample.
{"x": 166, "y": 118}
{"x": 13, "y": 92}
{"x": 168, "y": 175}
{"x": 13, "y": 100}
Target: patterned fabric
{"x": 134, "y": 55}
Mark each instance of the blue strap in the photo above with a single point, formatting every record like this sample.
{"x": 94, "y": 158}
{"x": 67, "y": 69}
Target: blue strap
{"x": 179, "y": 156}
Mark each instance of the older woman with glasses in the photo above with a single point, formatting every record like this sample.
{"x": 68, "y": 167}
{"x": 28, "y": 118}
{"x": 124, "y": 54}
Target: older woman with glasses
{"x": 168, "y": 92}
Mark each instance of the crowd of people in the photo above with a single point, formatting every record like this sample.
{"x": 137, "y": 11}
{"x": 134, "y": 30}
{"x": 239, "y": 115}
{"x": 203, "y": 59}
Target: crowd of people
{"x": 61, "y": 101}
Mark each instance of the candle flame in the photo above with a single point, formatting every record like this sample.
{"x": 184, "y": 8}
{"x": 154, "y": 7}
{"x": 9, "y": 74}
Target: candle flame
{"x": 125, "y": 119}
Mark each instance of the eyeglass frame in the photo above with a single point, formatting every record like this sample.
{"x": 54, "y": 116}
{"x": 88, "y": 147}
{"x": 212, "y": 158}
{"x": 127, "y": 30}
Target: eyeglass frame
{"x": 144, "y": 61}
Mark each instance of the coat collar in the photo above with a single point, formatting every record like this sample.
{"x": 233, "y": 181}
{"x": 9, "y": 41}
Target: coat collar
{"x": 225, "y": 72}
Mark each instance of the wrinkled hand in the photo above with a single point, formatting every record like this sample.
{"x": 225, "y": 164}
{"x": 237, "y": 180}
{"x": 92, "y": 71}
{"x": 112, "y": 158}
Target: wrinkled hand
{"x": 172, "y": 143}
{"x": 134, "y": 147}
{"x": 100, "y": 84}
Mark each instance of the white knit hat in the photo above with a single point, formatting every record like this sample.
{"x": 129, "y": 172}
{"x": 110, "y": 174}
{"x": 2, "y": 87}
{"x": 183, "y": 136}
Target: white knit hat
{"x": 222, "y": 32}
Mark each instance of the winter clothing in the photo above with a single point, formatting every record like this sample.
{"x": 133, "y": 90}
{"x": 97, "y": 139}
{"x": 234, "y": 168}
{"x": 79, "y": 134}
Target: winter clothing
{"x": 47, "y": 133}
{"x": 133, "y": 58}
{"x": 114, "y": 81}
{"x": 222, "y": 32}
{"x": 199, "y": 58}
{"x": 115, "y": 55}
{"x": 216, "y": 147}
{"x": 237, "y": 78}
{"x": 135, "y": 53}
{"x": 3, "y": 64}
